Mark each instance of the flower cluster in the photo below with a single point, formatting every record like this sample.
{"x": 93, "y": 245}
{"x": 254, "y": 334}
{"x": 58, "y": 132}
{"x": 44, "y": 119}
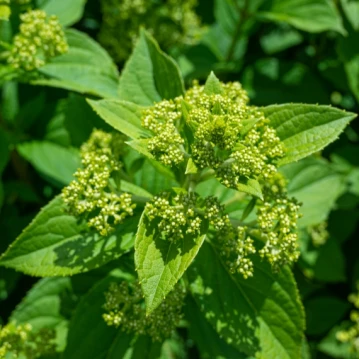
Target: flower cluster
{"x": 184, "y": 214}
{"x": 20, "y": 340}
{"x": 41, "y": 38}
{"x": 236, "y": 246}
{"x": 277, "y": 217}
{"x": 125, "y": 308}
{"x": 319, "y": 233}
{"x": 171, "y": 22}
{"x": 351, "y": 335}
{"x": 94, "y": 192}
{"x": 230, "y": 137}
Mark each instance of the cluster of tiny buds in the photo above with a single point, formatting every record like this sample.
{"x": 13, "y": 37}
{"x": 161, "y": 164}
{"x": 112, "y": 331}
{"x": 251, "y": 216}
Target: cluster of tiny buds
{"x": 184, "y": 214}
{"x": 236, "y": 247}
{"x": 19, "y": 341}
{"x": 94, "y": 193}
{"x": 125, "y": 308}
{"x": 351, "y": 335}
{"x": 229, "y": 136}
{"x": 319, "y": 233}
{"x": 40, "y": 38}
{"x": 277, "y": 217}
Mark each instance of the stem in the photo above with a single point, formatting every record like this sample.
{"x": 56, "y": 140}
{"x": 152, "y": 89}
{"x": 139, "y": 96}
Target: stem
{"x": 243, "y": 15}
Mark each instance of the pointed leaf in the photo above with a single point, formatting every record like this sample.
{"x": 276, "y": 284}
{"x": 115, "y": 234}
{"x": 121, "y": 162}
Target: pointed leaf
{"x": 56, "y": 244}
{"x": 161, "y": 263}
{"x": 305, "y": 129}
{"x": 251, "y": 187}
{"x": 122, "y": 115}
{"x": 150, "y": 75}
{"x": 260, "y": 315}
{"x": 213, "y": 85}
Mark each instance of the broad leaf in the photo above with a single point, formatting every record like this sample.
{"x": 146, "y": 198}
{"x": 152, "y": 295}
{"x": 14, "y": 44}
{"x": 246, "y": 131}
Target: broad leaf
{"x": 260, "y": 315}
{"x": 351, "y": 10}
{"x": 122, "y": 115}
{"x": 55, "y": 243}
{"x": 67, "y": 11}
{"x": 86, "y": 68}
{"x": 316, "y": 185}
{"x": 308, "y": 15}
{"x": 161, "y": 263}
{"x": 213, "y": 85}
{"x": 305, "y": 129}
{"x": 43, "y": 307}
{"x": 210, "y": 345}
{"x": 54, "y": 161}
{"x": 150, "y": 75}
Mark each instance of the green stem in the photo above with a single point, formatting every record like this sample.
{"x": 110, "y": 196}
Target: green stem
{"x": 243, "y": 15}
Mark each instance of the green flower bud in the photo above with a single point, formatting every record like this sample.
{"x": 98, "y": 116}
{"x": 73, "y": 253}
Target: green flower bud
{"x": 41, "y": 38}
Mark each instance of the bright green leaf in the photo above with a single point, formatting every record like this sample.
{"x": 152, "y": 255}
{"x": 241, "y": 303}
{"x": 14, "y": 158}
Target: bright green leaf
{"x": 67, "y": 11}
{"x": 86, "y": 68}
{"x": 122, "y": 115}
{"x": 251, "y": 187}
{"x": 262, "y": 314}
{"x": 161, "y": 263}
{"x": 55, "y": 243}
{"x": 305, "y": 129}
{"x": 351, "y": 10}
{"x": 54, "y": 161}
{"x": 213, "y": 85}
{"x": 150, "y": 75}
{"x": 308, "y": 15}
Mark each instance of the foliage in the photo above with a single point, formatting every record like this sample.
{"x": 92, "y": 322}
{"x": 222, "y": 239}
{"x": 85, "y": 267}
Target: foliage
{"x": 188, "y": 190}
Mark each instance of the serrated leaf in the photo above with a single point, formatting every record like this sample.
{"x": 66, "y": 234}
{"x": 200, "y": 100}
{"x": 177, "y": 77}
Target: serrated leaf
{"x": 251, "y": 187}
{"x": 52, "y": 160}
{"x": 67, "y": 11}
{"x": 150, "y": 75}
{"x": 305, "y": 129}
{"x": 260, "y": 315}
{"x": 85, "y": 68}
{"x": 308, "y": 15}
{"x": 161, "y": 263}
{"x": 122, "y": 115}
{"x": 213, "y": 85}
{"x": 191, "y": 167}
{"x": 55, "y": 243}
{"x": 315, "y": 184}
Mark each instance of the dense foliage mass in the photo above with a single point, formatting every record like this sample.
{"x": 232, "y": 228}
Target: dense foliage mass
{"x": 202, "y": 205}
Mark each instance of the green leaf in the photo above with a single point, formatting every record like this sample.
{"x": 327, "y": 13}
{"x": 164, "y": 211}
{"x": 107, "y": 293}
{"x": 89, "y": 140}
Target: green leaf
{"x": 55, "y": 243}
{"x": 213, "y": 85}
{"x": 4, "y": 150}
{"x": 260, "y": 315}
{"x": 86, "y": 68}
{"x": 161, "y": 263}
{"x": 210, "y": 345}
{"x": 89, "y": 336}
{"x": 67, "y": 11}
{"x": 132, "y": 188}
{"x": 305, "y": 129}
{"x": 54, "y": 161}
{"x": 122, "y": 115}
{"x": 191, "y": 167}
{"x": 251, "y": 187}
{"x": 150, "y": 75}
{"x": 308, "y": 15}
{"x": 351, "y": 10}
{"x": 315, "y": 184}
{"x": 5, "y": 12}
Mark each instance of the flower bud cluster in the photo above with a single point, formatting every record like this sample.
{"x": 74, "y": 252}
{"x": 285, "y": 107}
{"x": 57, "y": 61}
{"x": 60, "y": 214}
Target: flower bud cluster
{"x": 125, "y": 308}
{"x": 166, "y": 144}
{"x": 184, "y": 214}
{"x": 21, "y": 341}
{"x": 319, "y": 233}
{"x": 41, "y": 38}
{"x": 230, "y": 137}
{"x": 351, "y": 335}
{"x": 277, "y": 217}
{"x": 94, "y": 192}
{"x": 236, "y": 247}
{"x": 171, "y": 22}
